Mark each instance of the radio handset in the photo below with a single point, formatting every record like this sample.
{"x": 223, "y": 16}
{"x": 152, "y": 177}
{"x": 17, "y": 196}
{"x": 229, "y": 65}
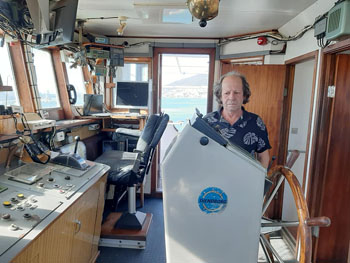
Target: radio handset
{"x": 72, "y": 94}
{"x": 35, "y": 149}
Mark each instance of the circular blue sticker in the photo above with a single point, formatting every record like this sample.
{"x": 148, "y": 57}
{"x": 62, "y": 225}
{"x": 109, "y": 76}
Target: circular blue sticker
{"x": 212, "y": 200}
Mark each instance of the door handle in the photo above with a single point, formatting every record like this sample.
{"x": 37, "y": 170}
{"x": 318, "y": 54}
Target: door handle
{"x": 78, "y": 223}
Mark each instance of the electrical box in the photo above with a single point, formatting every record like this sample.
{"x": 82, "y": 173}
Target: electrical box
{"x": 117, "y": 57}
{"x": 338, "y": 23}
{"x": 97, "y": 53}
{"x": 320, "y": 27}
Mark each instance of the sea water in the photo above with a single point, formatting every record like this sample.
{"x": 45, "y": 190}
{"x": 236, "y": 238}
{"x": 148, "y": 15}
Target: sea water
{"x": 180, "y": 110}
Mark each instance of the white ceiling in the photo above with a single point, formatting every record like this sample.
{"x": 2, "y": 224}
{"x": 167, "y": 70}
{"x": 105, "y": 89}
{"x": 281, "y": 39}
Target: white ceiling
{"x": 144, "y": 17}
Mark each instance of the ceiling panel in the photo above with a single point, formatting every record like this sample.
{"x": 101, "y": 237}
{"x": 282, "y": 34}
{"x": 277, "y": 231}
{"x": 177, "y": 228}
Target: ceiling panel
{"x": 144, "y": 17}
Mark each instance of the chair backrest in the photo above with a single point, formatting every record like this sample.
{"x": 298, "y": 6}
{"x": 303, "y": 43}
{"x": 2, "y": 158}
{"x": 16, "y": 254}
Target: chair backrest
{"x": 156, "y": 138}
{"x": 148, "y": 132}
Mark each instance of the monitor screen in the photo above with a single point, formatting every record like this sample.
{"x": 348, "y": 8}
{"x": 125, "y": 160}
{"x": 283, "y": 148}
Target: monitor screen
{"x": 132, "y": 95}
{"x": 93, "y": 104}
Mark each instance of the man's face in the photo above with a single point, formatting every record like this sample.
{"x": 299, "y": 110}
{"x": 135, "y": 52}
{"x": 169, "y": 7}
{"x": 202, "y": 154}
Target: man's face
{"x": 232, "y": 93}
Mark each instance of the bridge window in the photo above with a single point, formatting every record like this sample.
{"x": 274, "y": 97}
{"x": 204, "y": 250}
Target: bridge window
{"x": 46, "y": 80}
{"x": 76, "y": 78}
{"x": 7, "y": 98}
{"x": 131, "y": 72}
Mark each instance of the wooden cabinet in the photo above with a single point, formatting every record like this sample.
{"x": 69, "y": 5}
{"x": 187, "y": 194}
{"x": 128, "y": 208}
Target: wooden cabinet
{"x": 74, "y": 235}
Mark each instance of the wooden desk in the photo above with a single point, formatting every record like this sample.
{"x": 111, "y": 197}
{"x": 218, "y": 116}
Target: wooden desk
{"x": 107, "y": 121}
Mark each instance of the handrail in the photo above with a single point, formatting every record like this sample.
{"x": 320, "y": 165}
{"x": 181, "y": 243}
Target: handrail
{"x": 305, "y": 222}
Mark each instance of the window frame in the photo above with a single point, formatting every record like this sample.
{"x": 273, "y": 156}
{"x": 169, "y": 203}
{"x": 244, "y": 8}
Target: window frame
{"x": 36, "y": 86}
{"x": 129, "y": 60}
{"x": 13, "y": 75}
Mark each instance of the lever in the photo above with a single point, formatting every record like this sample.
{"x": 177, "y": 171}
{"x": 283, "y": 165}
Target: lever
{"x": 77, "y": 139}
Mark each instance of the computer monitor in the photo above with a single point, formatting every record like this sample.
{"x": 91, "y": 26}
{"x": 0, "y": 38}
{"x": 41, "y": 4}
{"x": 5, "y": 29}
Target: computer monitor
{"x": 93, "y": 104}
{"x": 132, "y": 95}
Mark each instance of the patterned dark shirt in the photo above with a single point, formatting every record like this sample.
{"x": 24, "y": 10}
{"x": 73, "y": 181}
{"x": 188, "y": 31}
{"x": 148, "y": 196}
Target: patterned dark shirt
{"x": 248, "y": 132}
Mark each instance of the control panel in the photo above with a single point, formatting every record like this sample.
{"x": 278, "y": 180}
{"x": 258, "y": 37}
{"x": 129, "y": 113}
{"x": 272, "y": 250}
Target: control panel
{"x": 20, "y": 212}
{"x": 52, "y": 179}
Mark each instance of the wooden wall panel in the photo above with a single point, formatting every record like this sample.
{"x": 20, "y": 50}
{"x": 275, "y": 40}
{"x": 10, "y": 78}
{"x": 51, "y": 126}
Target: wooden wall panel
{"x": 22, "y": 80}
{"x": 60, "y": 71}
{"x": 333, "y": 245}
{"x": 267, "y": 84}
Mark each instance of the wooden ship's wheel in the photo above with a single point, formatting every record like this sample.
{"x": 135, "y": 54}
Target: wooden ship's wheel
{"x": 303, "y": 244}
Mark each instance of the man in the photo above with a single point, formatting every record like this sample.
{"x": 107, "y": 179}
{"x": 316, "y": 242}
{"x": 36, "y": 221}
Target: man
{"x": 240, "y": 127}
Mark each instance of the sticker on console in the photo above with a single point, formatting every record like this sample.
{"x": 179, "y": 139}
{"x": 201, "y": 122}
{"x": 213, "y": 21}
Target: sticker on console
{"x": 212, "y": 200}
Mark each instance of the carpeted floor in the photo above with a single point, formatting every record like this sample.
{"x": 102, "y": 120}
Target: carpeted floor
{"x": 155, "y": 246}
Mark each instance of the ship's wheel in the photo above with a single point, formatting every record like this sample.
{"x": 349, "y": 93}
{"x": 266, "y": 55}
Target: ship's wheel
{"x": 303, "y": 243}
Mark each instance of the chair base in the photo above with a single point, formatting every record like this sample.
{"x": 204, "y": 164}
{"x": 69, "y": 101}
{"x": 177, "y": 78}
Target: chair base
{"x": 123, "y": 238}
{"x": 131, "y": 221}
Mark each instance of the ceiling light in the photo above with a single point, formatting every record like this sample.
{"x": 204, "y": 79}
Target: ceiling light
{"x": 204, "y": 10}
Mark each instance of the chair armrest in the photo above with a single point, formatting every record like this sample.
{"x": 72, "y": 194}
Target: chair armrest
{"x": 128, "y": 132}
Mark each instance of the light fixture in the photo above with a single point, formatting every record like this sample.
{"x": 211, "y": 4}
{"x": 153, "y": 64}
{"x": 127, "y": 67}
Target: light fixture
{"x": 122, "y": 22}
{"x": 204, "y": 10}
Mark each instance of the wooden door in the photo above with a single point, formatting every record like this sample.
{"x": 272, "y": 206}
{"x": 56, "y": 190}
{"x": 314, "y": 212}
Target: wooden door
{"x": 333, "y": 242}
{"x": 53, "y": 245}
{"x": 85, "y": 218}
{"x": 267, "y": 84}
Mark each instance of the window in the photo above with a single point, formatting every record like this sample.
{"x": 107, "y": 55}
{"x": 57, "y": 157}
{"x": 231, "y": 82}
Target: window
{"x": 46, "y": 79}
{"x": 7, "y": 98}
{"x": 131, "y": 72}
{"x": 76, "y": 78}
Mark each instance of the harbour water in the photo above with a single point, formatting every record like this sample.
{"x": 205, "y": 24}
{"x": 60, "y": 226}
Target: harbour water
{"x": 180, "y": 110}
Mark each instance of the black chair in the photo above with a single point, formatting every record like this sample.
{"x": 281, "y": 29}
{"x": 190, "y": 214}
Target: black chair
{"x": 128, "y": 169}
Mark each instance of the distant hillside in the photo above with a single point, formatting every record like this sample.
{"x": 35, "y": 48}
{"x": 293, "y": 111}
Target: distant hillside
{"x": 196, "y": 80}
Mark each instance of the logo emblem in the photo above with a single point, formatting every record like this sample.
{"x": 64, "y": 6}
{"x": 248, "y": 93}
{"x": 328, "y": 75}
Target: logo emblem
{"x": 212, "y": 200}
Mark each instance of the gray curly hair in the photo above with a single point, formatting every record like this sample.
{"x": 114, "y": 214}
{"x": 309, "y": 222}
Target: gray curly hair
{"x": 218, "y": 87}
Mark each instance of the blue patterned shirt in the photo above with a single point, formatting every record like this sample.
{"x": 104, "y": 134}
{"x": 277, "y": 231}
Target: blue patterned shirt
{"x": 248, "y": 132}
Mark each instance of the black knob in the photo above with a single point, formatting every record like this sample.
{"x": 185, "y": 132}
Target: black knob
{"x": 204, "y": 140}
{"x": 27, "y": 216}
{"x": 67, "y": 177}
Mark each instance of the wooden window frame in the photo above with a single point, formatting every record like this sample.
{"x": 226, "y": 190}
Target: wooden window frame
{"x": 108, "y": 86}
{"x": 157, "y": 93}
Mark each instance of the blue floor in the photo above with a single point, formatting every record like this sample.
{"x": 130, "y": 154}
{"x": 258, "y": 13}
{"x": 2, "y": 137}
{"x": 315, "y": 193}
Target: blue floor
{"x": 155, "y": 245}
